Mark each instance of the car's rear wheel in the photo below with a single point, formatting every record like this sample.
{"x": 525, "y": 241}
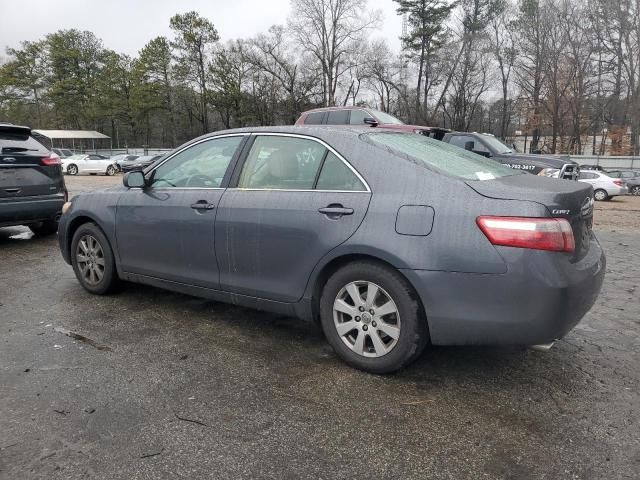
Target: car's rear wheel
{"x": 72, "y": 169}
{"x": 111, "y": 170}
{"x": 48, "y": 227}
{"x": 635, "y": 190}
{"x": 600, "y": 195}
{"x": 372, "y": 318}
{"x": 92, "y": 259}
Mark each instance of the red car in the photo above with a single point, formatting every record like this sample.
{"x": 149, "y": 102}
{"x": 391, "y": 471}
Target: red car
{"x": 362, "y": 116}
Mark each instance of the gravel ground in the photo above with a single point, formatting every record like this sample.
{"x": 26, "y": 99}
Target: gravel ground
{"x": 151, "y": 384}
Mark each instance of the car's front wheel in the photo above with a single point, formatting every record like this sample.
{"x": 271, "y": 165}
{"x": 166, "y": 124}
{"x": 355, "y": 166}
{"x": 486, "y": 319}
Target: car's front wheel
{"x": 600, "y": 195}
{"x": 92, "y": 259}
{"x": 372, "y": 318}
{"x": 111, "y": 170}
{"x": 72, "y": 169}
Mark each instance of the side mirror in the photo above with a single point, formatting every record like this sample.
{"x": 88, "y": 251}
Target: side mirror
{"x": 469, "y": 145}
{"x": 370, "y": 121}
{"x": 134, "y": 179}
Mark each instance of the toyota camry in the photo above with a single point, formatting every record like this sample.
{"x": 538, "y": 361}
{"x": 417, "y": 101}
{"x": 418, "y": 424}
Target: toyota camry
{"x": 391, "y": 241}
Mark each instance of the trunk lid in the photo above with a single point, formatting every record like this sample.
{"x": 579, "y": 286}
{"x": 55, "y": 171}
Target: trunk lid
{"x": 562, "y": 199}
{"x": 22, "y": 173}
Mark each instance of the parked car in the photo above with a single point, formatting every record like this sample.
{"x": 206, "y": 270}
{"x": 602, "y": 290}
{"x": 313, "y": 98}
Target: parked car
{"x": 555, "y": 166}
{"x": 604, "y": 186}
{"x": 88, "y": 163}
{"x": 32, "y": 189}
{"x": 389, "y": 239}
{"x": 139, "y": 163}
{"x": 631, "y": 178}
{"x": 123, "y": 158}
{"x": 62, "y": 152}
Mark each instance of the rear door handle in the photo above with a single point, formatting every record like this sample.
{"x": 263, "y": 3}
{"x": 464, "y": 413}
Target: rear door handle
{"x": 336, "y": 210}
{"x": 12, "y": 190}
{"x": 203, "y": 205}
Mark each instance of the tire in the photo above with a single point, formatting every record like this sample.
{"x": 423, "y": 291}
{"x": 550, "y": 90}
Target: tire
{"x": 636, "y": 190}
{"x": 91, "y": 235}
{"x": 48, "y": 227}
{"x": 383, "y": 354}
{"x": 72, "y": 169}
{"x": 111, "y": 170}
{"x": 601, "y": 195}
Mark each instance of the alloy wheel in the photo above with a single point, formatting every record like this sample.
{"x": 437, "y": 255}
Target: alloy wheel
{"x": 600, "y": 195}
{"x": 72, "y": 170}
{"x": 90, "y": 258}
{"x": 366, "y": 319}
{"x": 636, "y": 191}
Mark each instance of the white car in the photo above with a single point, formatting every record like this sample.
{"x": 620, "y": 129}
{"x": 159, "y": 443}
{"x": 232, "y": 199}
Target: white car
{"x": 88, "y": 163}
{"x": 604, "y": 187}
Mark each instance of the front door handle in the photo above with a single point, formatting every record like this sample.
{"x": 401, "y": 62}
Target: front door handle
{"x": 335, "y": 210}
{"x": 12, "y": 190}
{"x": 202, "y": 205}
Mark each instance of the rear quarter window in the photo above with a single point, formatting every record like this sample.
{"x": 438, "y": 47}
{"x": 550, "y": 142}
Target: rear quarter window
{"x": 440, "y": 156}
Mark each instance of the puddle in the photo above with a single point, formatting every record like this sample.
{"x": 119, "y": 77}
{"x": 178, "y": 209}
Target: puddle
{"x": 82, "y": 338}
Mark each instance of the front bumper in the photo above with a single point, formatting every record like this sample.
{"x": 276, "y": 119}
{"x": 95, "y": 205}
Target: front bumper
{"x": 540, "y": 298}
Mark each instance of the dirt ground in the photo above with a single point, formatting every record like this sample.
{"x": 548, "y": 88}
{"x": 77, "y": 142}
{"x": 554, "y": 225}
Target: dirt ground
{"x": 618, "y": 214}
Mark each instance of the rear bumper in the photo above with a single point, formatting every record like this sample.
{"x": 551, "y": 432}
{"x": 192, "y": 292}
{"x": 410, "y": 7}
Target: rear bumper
{"x": 29, "y": 210}
{"x": 541, "y": 298}
{"x": 617, "y": 191}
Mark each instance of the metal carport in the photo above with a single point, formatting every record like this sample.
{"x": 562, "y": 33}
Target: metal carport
{"x": 82, "y": 136}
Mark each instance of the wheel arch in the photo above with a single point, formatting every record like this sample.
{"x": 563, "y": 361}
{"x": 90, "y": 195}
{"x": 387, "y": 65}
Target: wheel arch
{"x": 75, "y": 224}
{"x": 338, "y": 262}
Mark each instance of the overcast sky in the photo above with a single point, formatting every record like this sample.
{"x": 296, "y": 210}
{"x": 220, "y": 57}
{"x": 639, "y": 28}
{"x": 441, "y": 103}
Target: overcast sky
{"x": 126, "y": 25}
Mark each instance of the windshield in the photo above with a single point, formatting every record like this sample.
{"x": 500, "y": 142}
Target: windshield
{"x": 441, "y": 156}
{"x": 496, "y": 144}
{"x": 386, "y": 118}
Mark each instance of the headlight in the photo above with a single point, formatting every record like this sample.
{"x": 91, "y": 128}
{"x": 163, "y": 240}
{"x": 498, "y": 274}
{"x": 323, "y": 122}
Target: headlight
{"x": 66, "y": 207}
{"x": 549, "y": 172}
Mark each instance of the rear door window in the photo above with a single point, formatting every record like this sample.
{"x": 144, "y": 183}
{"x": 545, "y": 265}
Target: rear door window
{"x": 282, "y": 163}
{"x": 440, "y": 156}
{"x": 336, "y": 175}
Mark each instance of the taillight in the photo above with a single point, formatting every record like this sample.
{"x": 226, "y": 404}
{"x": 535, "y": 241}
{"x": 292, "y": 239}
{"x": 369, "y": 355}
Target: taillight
{"x": 51, "y": 159}
{"x": 553, "y": 234}
{"x": 619, "y": 183}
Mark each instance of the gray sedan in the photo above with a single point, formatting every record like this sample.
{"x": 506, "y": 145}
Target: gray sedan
{"x": 390, "y": 240}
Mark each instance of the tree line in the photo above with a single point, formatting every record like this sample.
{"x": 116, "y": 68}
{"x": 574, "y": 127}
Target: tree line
{"x": 564, "y": 73}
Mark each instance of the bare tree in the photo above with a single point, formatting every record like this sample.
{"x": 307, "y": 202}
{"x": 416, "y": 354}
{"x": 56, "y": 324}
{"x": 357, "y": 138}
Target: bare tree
{"x": 328, "y": 29}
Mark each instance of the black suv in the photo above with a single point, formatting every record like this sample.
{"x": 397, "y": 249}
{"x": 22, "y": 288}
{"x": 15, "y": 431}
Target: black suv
{"x": 32, "y": 189}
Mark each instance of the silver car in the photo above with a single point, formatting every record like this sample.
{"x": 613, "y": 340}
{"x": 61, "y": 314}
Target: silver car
{"x": 604, "y": 187}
